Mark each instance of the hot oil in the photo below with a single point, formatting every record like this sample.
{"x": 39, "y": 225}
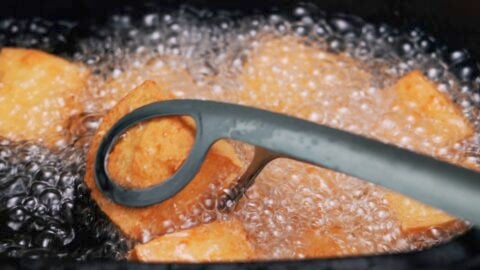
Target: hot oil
{"x": 46, "y": 210}
{"x": 200, "y": 54}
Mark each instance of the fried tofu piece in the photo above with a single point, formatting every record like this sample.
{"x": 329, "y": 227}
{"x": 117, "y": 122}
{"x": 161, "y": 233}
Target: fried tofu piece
{"x": 151, "y": 152}
{"x": 415, "y": 216}
{"x": 219, "y": 241}
{"x": 318, "y": 244}
{"x": 282, "y": 74}
{"x": 38, "y": 93}
{"x": 164, "y": 71}
{"x": 433, "y": 110}
{"x": 420, "y": 99}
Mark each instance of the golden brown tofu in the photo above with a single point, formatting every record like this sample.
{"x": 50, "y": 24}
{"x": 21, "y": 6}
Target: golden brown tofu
{"x": 433, "y": 110}
{"x": 282, "y": 74}
{"x": 163, "y": 71}
{"x": 317, "y": 244}
{"x": 214, "y": 242}
{"x": 150, "y": 153}
{"x": 415, "y": 216}
{"x": 39, "y": 92}
{"x": 420, "y": 99}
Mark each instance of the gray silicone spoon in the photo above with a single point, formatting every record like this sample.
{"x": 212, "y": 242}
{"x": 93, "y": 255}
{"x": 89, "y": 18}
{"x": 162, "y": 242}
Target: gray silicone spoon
{"x": 451, "y": 188}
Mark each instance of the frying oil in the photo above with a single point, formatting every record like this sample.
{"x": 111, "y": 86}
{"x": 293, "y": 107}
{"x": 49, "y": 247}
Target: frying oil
{"x": 221, "y": 56}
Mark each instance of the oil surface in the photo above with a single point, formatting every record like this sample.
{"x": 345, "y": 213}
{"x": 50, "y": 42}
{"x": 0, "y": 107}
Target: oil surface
{"x": 289, "y": 199}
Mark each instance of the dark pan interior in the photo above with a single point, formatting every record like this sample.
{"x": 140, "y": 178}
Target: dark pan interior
{"x": 454, "y": 23}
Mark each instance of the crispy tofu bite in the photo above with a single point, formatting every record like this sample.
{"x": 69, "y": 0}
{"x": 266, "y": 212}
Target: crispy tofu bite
{"x": 214, "y": 242}
{"x": 282, "y": 74}
{"x": 415, "y": 216}
{"x": 151, "y": 152}
{"x": 321, "y": 244}
{"x": 419, "y": 100}
{"x": 421, "y": 104}
{"x": 166, "y": 71}
{"x": 39, "y": 92}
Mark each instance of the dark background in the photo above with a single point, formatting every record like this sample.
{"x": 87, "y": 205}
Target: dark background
{"x": 454, "y": 22}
